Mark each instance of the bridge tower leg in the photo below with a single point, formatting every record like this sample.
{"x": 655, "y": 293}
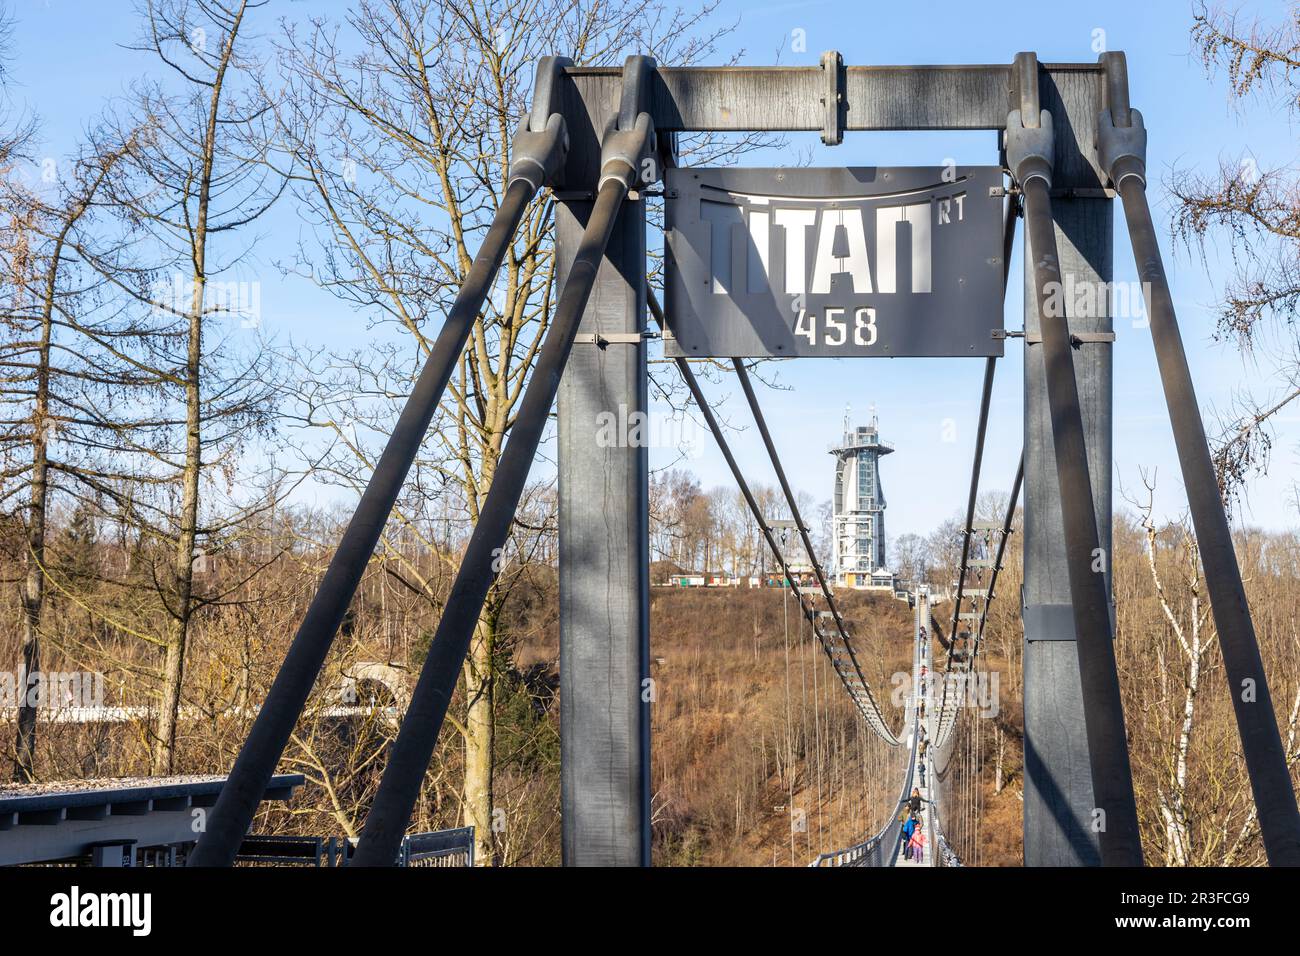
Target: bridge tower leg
{"x": 1058, "y": 822}
{"x": 604, "y": 556}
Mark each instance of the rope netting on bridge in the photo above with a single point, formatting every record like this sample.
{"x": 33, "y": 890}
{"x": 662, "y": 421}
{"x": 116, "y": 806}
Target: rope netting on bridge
{"x": 963, "y": 701}
{"x": 885, "y": 753}
{"x": 837, "y": 777}
{"x": 837, "y": 643}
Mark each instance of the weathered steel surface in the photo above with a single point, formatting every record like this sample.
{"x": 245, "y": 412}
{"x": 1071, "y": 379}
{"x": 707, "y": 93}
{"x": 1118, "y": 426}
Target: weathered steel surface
{"x": 777, "y": 99}
{"x": 1059, "y": 825}
{"x": 790, "y": 97}
{"x": 604, "y": 559}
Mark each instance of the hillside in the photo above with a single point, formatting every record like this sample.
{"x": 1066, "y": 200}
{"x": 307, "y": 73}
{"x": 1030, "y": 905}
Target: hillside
{"x": 748, "y": 738}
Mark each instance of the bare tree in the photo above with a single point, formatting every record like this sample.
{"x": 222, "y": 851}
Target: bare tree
{"x": 200, "y": 174}
{"x": 911, "y": 557}
{"x": 401, "y": 133}
{"x": 51, "y": 288}
{"x": 1187, "y": 625}
{"x": 1257, "y": 211}
{"x": 16, "y": 132}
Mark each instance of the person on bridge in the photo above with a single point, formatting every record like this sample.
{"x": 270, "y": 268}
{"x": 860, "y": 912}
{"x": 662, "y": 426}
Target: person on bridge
{"x": 909, "y": 828}
{"x": 915, "y": 802}
{"x": 917, "y": 844}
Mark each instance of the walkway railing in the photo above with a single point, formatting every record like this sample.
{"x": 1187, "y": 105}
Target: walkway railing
{"x": 866, "y": 853}
{"x": 944, "y": 855}
{"x": 451, "y": 848}
{"x": 883, "y": 848}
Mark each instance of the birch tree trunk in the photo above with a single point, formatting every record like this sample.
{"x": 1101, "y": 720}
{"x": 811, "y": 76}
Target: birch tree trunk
{"x": 480, "y": 729}
{"x": 1172, "y": 796}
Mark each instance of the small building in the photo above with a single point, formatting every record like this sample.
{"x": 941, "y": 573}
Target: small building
{"x": 878, "y": 580}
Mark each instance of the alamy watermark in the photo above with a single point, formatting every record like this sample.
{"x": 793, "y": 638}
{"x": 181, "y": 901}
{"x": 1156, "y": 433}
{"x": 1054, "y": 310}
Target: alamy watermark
{"x": 1089, "y": 300}
{"x": 231, "y": 300}
{"x": 51, "y": 690}
{"x": 980, "y": 691}
{"x": 637, "y": 429}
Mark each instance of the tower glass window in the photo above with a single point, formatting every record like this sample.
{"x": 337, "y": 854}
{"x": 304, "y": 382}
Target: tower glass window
{"x": 858, "y": 519}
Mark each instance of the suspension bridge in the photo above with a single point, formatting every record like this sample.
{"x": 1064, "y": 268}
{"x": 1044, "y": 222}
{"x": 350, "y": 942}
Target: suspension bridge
{"x": 855, "y": 262}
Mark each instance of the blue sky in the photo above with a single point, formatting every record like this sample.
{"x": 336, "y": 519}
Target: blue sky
{"x": 69, "y": 59}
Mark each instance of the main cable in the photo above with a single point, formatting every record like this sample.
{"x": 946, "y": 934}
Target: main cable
{"x": 865, "y": 700}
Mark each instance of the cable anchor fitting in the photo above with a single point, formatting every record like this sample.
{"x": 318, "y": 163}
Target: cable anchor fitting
{"x": 541, "y": 144}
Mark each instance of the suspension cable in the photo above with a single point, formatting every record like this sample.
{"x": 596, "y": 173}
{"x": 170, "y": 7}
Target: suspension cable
{"x": 747, "y": 386}
{"x": 1002, "y": 547}
{"x": 986, "y": 398}
{"x": 856, "y": 682}
{"x": 1010, "y": 215}
{"x": 968, "y": 531}
{"x": 945, "y": 724}
{"x": 789, "y": 725}
{"x": 817, "y": 750}
{"x": 803, "y": 724}
{"x": 761, "y": 422}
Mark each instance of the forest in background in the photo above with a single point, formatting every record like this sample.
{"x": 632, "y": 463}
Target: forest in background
{"x": 758, "y": 756}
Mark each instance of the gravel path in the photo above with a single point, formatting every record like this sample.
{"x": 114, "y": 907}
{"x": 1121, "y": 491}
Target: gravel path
{"x": 101, "y": 783}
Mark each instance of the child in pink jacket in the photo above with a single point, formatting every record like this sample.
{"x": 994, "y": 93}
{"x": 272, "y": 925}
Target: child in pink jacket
{"x": 917, "y": 845}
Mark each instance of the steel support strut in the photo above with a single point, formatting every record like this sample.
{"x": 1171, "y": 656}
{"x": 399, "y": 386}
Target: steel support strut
{"x": 604, "y": 547}
{"x": 539, "y": 150}
{"x": 1121, "y": 146}
{"x": 1029, "y": 154}
{"x": 409, "y": 760}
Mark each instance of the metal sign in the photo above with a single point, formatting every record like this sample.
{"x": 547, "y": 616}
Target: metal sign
{"x": 853, "y": 261}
